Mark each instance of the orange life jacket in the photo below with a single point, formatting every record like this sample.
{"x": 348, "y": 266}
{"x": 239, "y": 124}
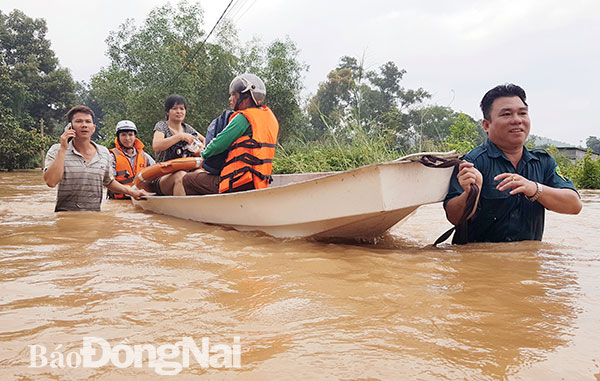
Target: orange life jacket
{"x": 250, "y": 159}
{"x": 125, "y": 174}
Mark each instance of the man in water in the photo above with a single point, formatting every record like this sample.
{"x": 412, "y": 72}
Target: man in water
{"x": 516, "y": 185}
{"x": 80, "y": 167}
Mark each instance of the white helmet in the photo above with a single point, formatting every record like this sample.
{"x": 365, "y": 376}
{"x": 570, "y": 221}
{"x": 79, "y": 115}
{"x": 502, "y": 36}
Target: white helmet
{"x": 126, "y": 125}
{"x": 249, "y": 82}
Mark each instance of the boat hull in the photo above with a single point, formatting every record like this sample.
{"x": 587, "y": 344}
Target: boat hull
{"x": 358, "y": 204}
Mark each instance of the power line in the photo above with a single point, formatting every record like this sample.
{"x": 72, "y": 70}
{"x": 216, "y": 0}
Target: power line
{"x": 235, "y": 8}
{"x": 201, "y": 45}
{"x": 247, "y": 9}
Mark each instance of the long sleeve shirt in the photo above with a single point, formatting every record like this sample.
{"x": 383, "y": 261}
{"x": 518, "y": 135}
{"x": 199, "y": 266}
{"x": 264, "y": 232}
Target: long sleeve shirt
{"x": 238, "y": 127}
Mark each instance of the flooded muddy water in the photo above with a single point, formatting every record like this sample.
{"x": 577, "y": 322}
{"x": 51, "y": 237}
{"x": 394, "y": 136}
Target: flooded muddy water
{"x": 289, "y": 309}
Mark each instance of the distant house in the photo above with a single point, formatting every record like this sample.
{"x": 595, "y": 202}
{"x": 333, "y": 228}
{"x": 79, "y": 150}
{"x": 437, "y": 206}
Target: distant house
{"x": 576, "y": 153}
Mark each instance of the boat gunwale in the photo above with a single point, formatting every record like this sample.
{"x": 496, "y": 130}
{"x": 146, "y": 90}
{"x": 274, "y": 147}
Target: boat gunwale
{"x": 326, "y": 175}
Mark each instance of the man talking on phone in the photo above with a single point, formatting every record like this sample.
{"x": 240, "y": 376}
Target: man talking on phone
{"x": 81, "y": 167}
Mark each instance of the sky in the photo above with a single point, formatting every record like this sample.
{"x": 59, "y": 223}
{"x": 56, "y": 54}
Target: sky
{"x": 456, "y": 50}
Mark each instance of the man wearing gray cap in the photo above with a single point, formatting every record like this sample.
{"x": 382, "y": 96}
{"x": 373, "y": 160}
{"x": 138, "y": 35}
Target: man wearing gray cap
{"x": 128, "y": 157}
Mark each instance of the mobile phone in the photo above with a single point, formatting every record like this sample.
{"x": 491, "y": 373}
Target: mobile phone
{"x": 69, "y": 127}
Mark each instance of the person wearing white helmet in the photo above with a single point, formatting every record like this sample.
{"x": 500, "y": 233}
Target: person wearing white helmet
{"x": 128, "y": 157}
{"x": 249, "y": 141}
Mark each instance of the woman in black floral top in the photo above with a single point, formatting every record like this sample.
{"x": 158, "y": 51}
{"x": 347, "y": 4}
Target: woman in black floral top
{"x": 171, "y": 137}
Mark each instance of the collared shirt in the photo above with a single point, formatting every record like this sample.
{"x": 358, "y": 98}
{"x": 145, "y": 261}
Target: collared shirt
{"x": 500, "y": 216}
{"x": 81, "y": 185}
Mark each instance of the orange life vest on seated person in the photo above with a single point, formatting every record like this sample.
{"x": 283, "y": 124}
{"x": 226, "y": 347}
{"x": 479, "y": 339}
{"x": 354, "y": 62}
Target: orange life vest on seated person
{"x": 124, "y": 173}
{"x": 250, "y": 159}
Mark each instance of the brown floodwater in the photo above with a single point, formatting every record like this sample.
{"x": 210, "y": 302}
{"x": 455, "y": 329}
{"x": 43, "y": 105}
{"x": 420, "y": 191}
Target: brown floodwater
{"x": 397, "y": 309}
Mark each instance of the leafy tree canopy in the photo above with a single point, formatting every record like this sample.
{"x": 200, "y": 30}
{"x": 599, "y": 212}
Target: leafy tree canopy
{"x": 34, "y": 87}
{"x": 167, "y": 55}
{"x": 593, "y": 143}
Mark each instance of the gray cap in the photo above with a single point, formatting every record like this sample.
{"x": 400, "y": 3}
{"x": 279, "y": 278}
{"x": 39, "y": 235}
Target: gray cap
{"x": 126, "y": 125}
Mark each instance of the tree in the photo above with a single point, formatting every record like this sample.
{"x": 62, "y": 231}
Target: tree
{"x": 19, "y": 148}
{"x": 372, "y": 100}
{"x": 37, "y": 87}
{"x": 463, "y": 134}
{"x": 278, "y": 66}
{"x": 166, "y": 56}
{"x": 32, "y": 88}
{"x": 590, "y": 172}
{"x": 327, "y": 108}
{"x": 162, "y": 57}
{"x": 593, "y": 143}
{"x": 429, "y": 125}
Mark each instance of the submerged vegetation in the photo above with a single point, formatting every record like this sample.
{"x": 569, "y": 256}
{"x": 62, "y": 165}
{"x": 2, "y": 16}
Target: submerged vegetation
{"x": 356, "y": 116}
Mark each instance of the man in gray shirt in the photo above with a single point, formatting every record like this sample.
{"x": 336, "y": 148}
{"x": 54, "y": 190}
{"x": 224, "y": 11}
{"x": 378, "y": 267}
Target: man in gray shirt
{"x": 80, "y": 167}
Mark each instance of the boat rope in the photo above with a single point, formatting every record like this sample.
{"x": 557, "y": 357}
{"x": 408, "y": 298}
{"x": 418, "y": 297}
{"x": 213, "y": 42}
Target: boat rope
{"x": 460, "y": 230}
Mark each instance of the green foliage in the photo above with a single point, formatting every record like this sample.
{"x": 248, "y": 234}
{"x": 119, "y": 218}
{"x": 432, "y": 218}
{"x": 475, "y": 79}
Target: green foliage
{"x": 166, "y": 56}
{"x": 374, "y": 99}
{"x": 19, "y": 148}
{"x": 356, "y": 117}
{"x": 530, "y": 142}
{"x": 585, "y": 173}
{"x": 590, "y": 172}
{"x": 463, "y": 134}
{"x": 329, "y": 154}
{"x": 567, "y": 168}
{"x": 34, "y": 87}
{"x": 352, "y": 148}
{"x": 593, "y": 143}
{"x": 278, "y": 66}
{"x": 428, "y": 126}
{"x": 162, "y": 57}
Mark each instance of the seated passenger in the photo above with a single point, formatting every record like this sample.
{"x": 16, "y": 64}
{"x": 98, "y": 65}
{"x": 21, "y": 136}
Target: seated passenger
{"x": 249, "y": 142}
{"x": 173, "y": 139}
{"x": 128, "y": 157}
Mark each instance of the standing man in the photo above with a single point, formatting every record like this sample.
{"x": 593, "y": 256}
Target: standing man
{"x": 80, "y": 167}
{"x": 249, "y": 141}
{"x": 516, "y": 185}
{"x": 128, "y": 157}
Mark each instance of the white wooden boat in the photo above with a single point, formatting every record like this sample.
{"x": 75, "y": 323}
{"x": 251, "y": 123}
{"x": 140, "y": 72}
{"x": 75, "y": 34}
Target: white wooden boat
{"x": 362, "y": 203}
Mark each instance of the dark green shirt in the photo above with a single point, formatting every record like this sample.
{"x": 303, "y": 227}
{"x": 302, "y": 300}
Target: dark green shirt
{"x": 500, "y": 216}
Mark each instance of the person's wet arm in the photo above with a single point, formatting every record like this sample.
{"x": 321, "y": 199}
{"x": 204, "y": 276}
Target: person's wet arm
{"x": 55, "y": 160}
{"x": 560, "y": 200}
{"x": 466, "y": 176}
{"x": 116, "y": 187}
